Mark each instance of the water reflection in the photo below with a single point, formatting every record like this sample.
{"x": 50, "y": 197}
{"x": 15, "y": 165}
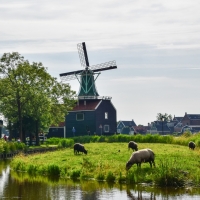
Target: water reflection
{"x": 22, "y": 186}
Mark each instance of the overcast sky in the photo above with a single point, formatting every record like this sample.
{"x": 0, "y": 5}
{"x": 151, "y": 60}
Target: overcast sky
{"x": 156, "y": 45}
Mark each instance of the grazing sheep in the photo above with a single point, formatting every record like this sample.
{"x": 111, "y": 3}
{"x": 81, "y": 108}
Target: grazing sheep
{"x": 191, "y": 145}
{"x": 79, "y": 148}
{"x": 132, "y": 145}
{"x": 143, "y": 155}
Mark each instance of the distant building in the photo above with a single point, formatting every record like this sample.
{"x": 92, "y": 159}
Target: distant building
{"x": 189, "y": 122}
{"x": 126, "y": 127}
{"x": 141, "y": 129}
{"x": 160, "y": 127}
{"x": 57, "y": 130}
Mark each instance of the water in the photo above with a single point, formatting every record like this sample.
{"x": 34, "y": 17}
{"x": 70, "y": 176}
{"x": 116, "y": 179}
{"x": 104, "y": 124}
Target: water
{"x": 21, "y": 186}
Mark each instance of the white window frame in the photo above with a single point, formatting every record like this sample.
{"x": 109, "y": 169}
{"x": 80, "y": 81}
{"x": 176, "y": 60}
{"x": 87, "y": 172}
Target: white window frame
{"x": 106, "y": 115}
{"x": 106, "y": 128}
{"x": 79, "y": 119}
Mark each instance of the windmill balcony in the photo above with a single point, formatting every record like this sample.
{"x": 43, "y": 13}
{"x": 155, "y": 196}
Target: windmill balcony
{"x": 95, "y": 97}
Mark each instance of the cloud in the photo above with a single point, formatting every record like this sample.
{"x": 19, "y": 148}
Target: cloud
{"x": 53, "y": 26}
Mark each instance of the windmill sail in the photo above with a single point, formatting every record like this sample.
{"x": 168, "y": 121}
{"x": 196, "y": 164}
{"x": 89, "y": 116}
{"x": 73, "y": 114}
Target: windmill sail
{"x": 88, "y": 76}
{"x": 83, "y": 54}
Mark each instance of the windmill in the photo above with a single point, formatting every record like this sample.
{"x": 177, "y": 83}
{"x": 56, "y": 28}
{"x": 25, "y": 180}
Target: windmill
{"x": 87, "y": 76}
{"x": 92, "y": 114}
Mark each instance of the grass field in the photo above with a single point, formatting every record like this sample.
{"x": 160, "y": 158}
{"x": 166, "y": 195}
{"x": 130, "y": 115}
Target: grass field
{"x": 176, "y": 165}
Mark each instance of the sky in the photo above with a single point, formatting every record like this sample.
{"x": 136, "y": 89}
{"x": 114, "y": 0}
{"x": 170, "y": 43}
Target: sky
{"x": 156, "y": 45}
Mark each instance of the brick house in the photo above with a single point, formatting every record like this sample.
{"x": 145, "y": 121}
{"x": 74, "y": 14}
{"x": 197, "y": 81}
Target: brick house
{"x": 188, "y": 122}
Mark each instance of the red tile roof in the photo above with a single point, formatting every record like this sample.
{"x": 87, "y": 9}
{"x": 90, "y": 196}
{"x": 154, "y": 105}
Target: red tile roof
{"x": 90, "y": 105}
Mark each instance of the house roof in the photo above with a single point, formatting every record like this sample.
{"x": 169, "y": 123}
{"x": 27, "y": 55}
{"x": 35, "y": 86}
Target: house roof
{"x": 88, "y": 105}
{"x": 126, "y": 130}
{"x": 128, "y": 123}
{"x": 177, "y": 119}
{"x": 194, "y": 116}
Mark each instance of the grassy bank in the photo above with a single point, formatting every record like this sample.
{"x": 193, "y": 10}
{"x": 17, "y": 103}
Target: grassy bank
{"x": 176, "y": 165}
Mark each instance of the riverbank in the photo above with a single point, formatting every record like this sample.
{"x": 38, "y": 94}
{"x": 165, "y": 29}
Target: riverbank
{"x": 176, "y": 165}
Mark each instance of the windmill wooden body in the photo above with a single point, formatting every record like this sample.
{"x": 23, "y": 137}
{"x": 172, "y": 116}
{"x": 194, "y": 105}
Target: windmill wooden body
{"x": 93, "y": 114}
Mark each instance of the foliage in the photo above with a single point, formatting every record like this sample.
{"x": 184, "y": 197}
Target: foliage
{"x": 187, "y": 134}
{"x": 163, "y": 117}
{"x": 11, "y": 147}
{"x": 31, "y": 99}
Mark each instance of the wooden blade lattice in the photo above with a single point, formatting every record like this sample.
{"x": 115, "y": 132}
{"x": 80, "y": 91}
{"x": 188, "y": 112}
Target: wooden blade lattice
{"x": 95, "y": 68}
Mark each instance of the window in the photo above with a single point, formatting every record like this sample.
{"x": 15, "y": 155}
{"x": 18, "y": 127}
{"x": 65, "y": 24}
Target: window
{"x": 79, "y": 116}
{"x": 106, "y": 115}
{"x": 106, "y": 128}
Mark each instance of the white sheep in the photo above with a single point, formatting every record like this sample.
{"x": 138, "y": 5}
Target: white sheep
{"x": 143, "y": 155}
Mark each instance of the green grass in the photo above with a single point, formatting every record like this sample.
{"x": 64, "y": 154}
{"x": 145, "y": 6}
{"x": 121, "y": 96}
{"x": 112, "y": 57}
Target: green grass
{"x": 176, "y": 165}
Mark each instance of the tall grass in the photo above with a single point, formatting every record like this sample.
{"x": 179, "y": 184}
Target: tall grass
{"x": 170, "y": 173}
{"x": 148, "y": 138}
{"x": 61, "y": 142}
{"x": 10, "y": 147}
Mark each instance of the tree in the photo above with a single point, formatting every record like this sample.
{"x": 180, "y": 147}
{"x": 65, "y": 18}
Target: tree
{"x": 28, "y": 92}
{"x": 164, "y": 117}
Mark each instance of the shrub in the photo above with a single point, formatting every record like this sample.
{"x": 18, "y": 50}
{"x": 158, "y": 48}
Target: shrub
{"x": 2, "y": 145}
{"x": 187, "y": 134}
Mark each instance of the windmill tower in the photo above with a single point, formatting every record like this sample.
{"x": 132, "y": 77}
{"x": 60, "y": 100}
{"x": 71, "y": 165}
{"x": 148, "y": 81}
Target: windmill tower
{"x": 93, "y": 114}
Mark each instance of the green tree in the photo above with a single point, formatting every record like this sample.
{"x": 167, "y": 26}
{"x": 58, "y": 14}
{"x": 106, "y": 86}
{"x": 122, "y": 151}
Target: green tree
{"x": 29, "y": 92}
{"x": 164, "y": 117}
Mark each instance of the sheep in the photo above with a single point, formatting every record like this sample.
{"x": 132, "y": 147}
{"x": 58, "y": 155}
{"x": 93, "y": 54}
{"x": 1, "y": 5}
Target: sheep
{"x": 143, "y": 155}
{"x": 133, "y": 145}
{"x": 79, "y": 148}
{"x": 191, "y": 145}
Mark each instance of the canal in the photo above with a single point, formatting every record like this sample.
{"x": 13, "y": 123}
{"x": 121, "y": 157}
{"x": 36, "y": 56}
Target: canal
{"x": 24, "y": 187}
